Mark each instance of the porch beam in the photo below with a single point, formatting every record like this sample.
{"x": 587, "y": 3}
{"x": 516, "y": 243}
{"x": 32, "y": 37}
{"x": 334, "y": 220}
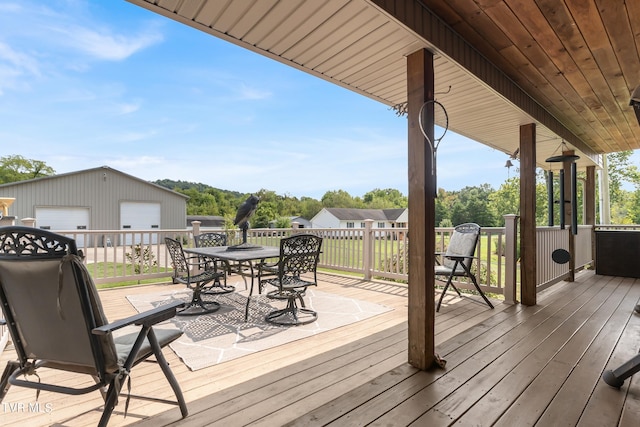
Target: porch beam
{"x": 420, "y": 88}
{"x": 528, "y": 214}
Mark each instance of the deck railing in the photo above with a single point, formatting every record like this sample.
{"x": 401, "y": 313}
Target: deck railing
{"x": 135, "y": 255}
{"x": 550, "y": 239}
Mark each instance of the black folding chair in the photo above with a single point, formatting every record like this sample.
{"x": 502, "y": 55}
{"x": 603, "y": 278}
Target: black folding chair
{"x": 456, "y": 261}
{"x": 57, "y": 323}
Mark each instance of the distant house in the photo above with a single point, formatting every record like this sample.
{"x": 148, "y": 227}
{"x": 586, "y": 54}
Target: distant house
{"x": 206, "y": 221}
{"x": 355, "y": 218}
{"x": 302, "y": 222}
{"x": 101, "y": 198}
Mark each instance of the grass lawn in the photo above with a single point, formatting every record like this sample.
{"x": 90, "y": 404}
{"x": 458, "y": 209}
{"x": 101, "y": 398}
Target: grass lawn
{"x": 110, "y": 269}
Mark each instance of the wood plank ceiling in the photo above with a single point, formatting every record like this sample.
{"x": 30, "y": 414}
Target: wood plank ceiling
{"x": 575, "y": 62}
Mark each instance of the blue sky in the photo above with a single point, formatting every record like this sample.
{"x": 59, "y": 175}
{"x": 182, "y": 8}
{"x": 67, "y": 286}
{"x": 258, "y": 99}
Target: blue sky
{"x": 90, "y": 83}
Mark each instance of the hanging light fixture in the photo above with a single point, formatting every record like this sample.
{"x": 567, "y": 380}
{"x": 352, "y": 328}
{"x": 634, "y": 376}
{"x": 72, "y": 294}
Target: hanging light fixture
{"x": 562, "y": 157}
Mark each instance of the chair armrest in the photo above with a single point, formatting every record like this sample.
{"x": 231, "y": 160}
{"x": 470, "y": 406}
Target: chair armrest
{"x": 146, "y": 318}
{"x": 267, "y": 268}
{"x": 459, "y": 257}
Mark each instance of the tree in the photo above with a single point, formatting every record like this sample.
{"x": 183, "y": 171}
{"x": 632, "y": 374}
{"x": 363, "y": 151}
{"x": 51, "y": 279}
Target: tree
{"x": 385, "y": 199}
{"x": 200, "y": 203}
{"x": 340, "y": 199}
{"x": 17, "y": 168}
{"x": 472, "y": 205}
{"x": 506, "y": 200}
{"x": 266, "y": 212}
{"x": 283, "y": 222}
{"x": 621, "y": 171}
{"x": 309, "y": 207}
{"x": 443, "y": 207}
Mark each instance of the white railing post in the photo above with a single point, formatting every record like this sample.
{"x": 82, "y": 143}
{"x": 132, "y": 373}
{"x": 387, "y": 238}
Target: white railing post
{"x": 367, "y": 249}
{"x": 29, "y": 222}
{"x": 511, "y": 242}
{"x": 195, "y": 227}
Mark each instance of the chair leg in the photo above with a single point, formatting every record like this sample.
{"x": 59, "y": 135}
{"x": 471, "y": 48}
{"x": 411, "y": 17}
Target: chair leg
{"x": 444, "y": 291}
{"x": 475, "y": 283}
{"x": 615, "y": 378}
{"x": 198, "y": 306}
{"x": 111, "y": 400}
{"x": 218, "y": 288}
{"x": 11, "y": 367}
{"x": 290, "y": 315}
{"x": 164, "y": 365}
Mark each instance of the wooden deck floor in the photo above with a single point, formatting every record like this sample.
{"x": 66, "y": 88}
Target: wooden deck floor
{"x": 514, "y": 365}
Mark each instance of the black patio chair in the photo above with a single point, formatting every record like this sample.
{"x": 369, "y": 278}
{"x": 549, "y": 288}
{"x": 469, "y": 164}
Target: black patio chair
{"x": 213, "y": 239}
{"x": 299, "y": 254}
{"x": 187, "y": 270}
{"x": 56, "y": 322}
{"x": 456, "y": 261}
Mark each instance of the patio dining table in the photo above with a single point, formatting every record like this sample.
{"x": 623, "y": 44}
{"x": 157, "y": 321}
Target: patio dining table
{"x": 242, "y": 257}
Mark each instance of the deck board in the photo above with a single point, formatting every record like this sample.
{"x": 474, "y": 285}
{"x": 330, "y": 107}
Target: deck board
{"x": 514, "y": 365}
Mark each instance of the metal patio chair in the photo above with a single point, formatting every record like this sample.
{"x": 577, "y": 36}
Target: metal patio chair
{"x": 213, "y": 239}
{"x": 56, "y": 322}
{"x": 615, "y": 377}
{"x": 456, "y": 261}
{"x": 187, "y": 270}
{"x": 299, "y": 254}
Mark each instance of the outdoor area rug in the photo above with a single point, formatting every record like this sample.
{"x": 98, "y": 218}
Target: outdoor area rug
{"x": 224, "y": 335}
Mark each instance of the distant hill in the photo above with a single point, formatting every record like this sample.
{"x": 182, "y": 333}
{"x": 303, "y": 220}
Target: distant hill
{"x": 200, "y": 187}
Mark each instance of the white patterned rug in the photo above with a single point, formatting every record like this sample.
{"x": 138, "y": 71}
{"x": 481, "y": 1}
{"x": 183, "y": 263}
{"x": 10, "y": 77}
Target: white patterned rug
{"x": 224, "y": 335}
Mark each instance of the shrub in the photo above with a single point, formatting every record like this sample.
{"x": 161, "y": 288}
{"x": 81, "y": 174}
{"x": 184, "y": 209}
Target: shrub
{"x": 141, "y": 258}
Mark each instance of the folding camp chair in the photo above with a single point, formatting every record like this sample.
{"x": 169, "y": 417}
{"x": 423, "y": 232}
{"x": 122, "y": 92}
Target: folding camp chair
{"x": 456, "y": 261}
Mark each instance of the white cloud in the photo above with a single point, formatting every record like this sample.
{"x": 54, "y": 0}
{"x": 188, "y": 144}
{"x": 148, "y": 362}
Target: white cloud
{"x": 105, "y": 45}
{"x": 252, "y": 93}
{"x": 128, "y": 108}
{"x": 135, "y": 136}
{"x": 19, "y": 61}
{"x": 135, "y": 163}
{"x": 14, "y": 67}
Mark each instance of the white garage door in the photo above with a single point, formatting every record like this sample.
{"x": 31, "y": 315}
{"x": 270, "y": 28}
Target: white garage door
{"x": 140, "y": 216}
{"x": 64, "y": 218}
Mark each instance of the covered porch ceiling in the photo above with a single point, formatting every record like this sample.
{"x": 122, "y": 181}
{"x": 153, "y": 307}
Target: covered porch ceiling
{"x": 567, "y": 65}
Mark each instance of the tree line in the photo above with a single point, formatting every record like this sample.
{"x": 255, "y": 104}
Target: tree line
{"x": 481, "y": 204}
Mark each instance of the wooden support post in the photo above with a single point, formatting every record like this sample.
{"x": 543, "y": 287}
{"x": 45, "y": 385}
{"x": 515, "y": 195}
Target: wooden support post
{"x": 420, "y": 85}
{"x": 528, "y": 214}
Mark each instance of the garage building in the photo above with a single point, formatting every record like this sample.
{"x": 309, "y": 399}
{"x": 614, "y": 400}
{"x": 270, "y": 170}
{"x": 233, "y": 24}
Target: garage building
{"x": 96, "y": 199}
